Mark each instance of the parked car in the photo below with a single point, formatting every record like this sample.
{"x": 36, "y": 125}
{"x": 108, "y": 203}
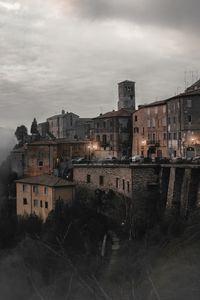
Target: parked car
{"x": 196, "y": 159}
{"x": 176, "y": 160}
{"x": 137, "y": 158}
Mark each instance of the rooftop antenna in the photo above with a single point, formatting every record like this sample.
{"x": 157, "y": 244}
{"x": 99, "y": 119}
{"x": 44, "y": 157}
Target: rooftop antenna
{"x": 185, "y": 78}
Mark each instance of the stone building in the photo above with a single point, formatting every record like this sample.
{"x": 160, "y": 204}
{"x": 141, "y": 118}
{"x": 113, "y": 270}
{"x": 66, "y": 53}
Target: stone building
{"x": 150, "y": 130}
{"x": 112, "y": 134}
{"x": 126, "y": 92}
{"x": 43, "y": 129}
{"x": 17, "y": 160}
{"x": 47, "y": 157}
{"x": 70, "y": 126}
{"x": 125, "y": 179}
{"x": 38, "y": 195}
{"x": 184, "y": 122}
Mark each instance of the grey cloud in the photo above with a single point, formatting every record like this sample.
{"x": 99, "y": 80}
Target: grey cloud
{"x": 178, "y": 14}
{"x": 52, "y": 57}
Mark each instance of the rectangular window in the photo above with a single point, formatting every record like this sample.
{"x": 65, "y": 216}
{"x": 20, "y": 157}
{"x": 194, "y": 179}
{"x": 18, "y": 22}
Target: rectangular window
{"x": 123, "y": 184}
{"x": 189, "y": 118}
{"x": 153, "y": 122}
{"x": 156, "y": 109}
{"x": 25, "y": 202}
{"x": 169, "y": 120}
{"x": 164, "y": 109}
{"x": 101, "y": 180}
{"x": 36, "y": 189}
{"x": 24, "y": 187}
{"x": 164, "y": 121}
{"x": 88, "y": 178}
{"x": 40, "y": 163}
{"x": 135, "y": 118}
{"x": 164, "y": 136}
{"x": 175, "y": 135}
{"x": 128, "y": 186}
{"x": 41, "y": 204}
{"x": 154, "y": 137}
{"x": 169, "y": 135}
{"x": 36, "y": 203}
{"x": 189, "y": 103}
{"x": 117, "y": 183}
{"x": 46, "y": 204}
{"x": 46, "y": 190}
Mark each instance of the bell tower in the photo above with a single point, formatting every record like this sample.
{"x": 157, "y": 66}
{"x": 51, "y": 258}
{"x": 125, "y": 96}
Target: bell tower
{"x": 126, "y": 90}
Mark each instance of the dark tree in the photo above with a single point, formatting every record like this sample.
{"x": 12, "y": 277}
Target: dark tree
{"x": 21, "y": 134}
{"x": 34, "y": 129}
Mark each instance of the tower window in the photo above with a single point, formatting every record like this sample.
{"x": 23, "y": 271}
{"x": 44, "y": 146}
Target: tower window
{"x": 101, "y": 180}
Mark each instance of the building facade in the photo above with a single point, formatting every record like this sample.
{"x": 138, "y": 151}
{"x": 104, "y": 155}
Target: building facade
{"x": 113, "y": 134}
{"x": 125, "y": 179}
{"x": 38, "y": 195}
{"x": 47, "y": 157}
{"x": 184, "y": 122}
{"x": 150, "y": 130}
{"x": 70, "y": 126}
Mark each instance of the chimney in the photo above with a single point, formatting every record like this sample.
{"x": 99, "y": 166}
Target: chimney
{"x": 63, "y": 112}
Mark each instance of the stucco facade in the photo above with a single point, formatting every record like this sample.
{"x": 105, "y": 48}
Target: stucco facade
{"x": 150, "y": 130}
{"x": 184, "y": 123}
{"x": 38, "y": 195}
{"x": 43, "y": 157}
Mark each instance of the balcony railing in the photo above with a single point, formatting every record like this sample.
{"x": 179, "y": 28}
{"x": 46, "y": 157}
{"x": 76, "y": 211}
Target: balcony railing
{"x": 155, "y": 143}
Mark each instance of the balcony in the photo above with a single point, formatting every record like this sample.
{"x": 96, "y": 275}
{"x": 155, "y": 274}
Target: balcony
{"x": 155, "y": 143}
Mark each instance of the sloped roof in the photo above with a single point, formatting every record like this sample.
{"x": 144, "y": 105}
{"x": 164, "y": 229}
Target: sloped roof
{"x": 194, "y": 87}
{"x": 186, "y": 94}
{"x": 62, "y": 115}
{"x": 118, "y": 113}
{"x": 155, "y": 103}
{"x": 128, "y": 81}
{"x": 57, "y": 142}
{"x": 46, "y": 180}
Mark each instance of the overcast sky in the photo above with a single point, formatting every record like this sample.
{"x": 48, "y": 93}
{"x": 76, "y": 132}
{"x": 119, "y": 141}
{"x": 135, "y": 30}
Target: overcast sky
{"x": 70, "y": 54}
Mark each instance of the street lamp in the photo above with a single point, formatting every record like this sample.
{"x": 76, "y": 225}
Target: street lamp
{"x": 92, "y": 147}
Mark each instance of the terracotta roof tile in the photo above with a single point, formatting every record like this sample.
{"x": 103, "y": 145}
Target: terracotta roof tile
{"x": 46, "y": 180}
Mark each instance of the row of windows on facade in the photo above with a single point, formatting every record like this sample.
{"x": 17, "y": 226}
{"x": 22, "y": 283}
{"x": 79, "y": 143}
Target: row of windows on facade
{"x": 36, "y": 203}
{"x": 104, "y": 124}
{"x": 152, "y": 122}
{"x": 36, "y": 189}
{"x": 172, "y": 107}
{"x": 104, "y": 138}
{"x": 101, "y": 182}
{"x": 163, "y": 122}
{"x": 163, "y": 136}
